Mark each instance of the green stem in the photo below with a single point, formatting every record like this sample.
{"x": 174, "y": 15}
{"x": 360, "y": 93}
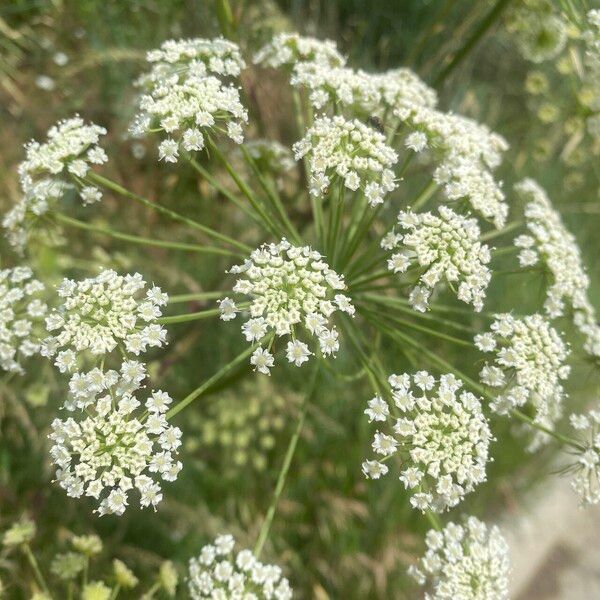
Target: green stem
{"x": 472, "y": 41}
{"x": 115, "y": 592}
{"x": 434, "y": 520}
{"x": 36, "y": 569}
{"x": 242, "y": 186}
{"x": 335, "y": 217}
{"x": 177, "y": 299}
{"x": 220, "y": 374}
{"x": 563, "y": 439}
{"x": 272, "y": 195}
{"x": 285, "y": 467}
{"x": 195, "y": 316}
{"x": 424, "y": 196}
{"x": 220, "y": 188}
{"x": 490, "y": 235}
{"x": 135, "y": 239}
{"x": 115, "y": 187}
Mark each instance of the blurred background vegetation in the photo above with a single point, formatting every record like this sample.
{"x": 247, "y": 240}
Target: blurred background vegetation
{"x": 336, "y": 536}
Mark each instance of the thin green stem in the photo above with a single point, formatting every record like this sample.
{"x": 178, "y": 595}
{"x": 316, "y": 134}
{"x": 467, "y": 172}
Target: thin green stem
{"x": 285, "y": 467}
{"x": 424, "y": 196}
{"x": 490, "y": 235}
{"x": 220, "y": 188}
{"x": 135, "y": 239}
{"x": 36, "y": 569}
{"x": 177, "y": 299}
{"x": 272, "y": 195}
{"x": 195, "y": 316}
{"x": 243, "y": 187}
{"x": 472, "y": 40}
{"x": 434, "y": 520}
{"x": 115, "y": 592}
{"x": 563, "y": 439}
{"x": 220, "y": 374}
{"x": 119, "y": 189}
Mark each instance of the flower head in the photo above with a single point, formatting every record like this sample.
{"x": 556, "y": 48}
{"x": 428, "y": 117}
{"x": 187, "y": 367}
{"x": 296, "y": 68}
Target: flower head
{"x": 219, "y": 572}
{"x": 468, "y": 561}
{"x": 196, "y": 57}
{"x": 22, "y": 313}
{"x": 291, "y": 289}
{"x": 552, "y": 245}
{"x": 466, "y": 153}
{"x": 349, "y": 151}
{"x": 529, "y": 365}
{"x": 50, "y": 169}
{"x": 117, "y": 448}
{"x": 102, "y": 313}
{"x": 439, "y": 433}
{"x": 187, "y": 111}
{"x": 586, "y": 469}
{"x": 291, "y": 48}
{"x": 19, "y": 533}
{"x": 443, "y": 247}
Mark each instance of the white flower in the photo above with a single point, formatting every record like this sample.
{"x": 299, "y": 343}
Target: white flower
{"x": 556, "y": 248}
{"x": 189, "y": 110}
{"x": 111, "y": 450}
{"x": 50, "y": 169}
{"x": 468, "y": 561}
{"x": 262, "y": 360}
{"x": 466, "y": 154}
{"x": 291, "y": 289}
{"x": 297, "y": 352}
{"x": 22, "y": 313}
{"x": 444, "y": 247}
{"x": 530, "y": 355}
{"x": 193, "y": 57}
{"x": 441, "y": 435}
{"x": 291, "y": 48}
{"x": 228, "y": 309}
{"x": 351, "y": 151}
{"x": 220, "y": 573}
{"x": 100, "y": 313}
{"x": 586, "y": 468}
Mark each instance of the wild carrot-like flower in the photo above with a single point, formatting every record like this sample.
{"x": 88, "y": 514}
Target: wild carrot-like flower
{"x": 22, "y": 313}
{"x": 349, "y": 152}
{"x": 117, "y": 447}
{"x": 466, "y": 152}
{"x": 219, "y": 572}
{"x": 586, "y": 468}
{"x": 468, "y": 561}
{"x": 529, "y": 365}
{"x": 291, "y": 48}
{"x": 102, "y": 313}
{"x": 291, "y": 290}
{"x": 50, "y": 169}
{"x": 438, "y": 432}
{"x": 444, "y": 247}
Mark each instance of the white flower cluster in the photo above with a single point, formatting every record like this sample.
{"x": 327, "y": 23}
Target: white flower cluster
{"x": 529, "y": 365}
{"x": 22, "y": 313}
{"x": 365, "y": 93}
{"x": 220, "y": 574}
{"x": 445, "y": 246}
{"x": 351, "y": 151}
{"x": 467, "y": 153}
{"x": 465, "y": 562}
{"x": 186, "y": 98}
{"x": 586, "y": 470}
{"x": 52, "y": 168}
{"x": 553, "y": 245}
{"x": 403, "y": 88}
{"x": 291, "y": 48}
{"x": 329, "y": 85}
{"x": 117, "y": 447}
{"x": 289, "y": 287}
{"x": 189, "y": 110}
{"x": 540, "y": 30}
{"x": 102, "y": 313}
{"x": 195, "y": 57}
{"x": 440, "y": 433}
